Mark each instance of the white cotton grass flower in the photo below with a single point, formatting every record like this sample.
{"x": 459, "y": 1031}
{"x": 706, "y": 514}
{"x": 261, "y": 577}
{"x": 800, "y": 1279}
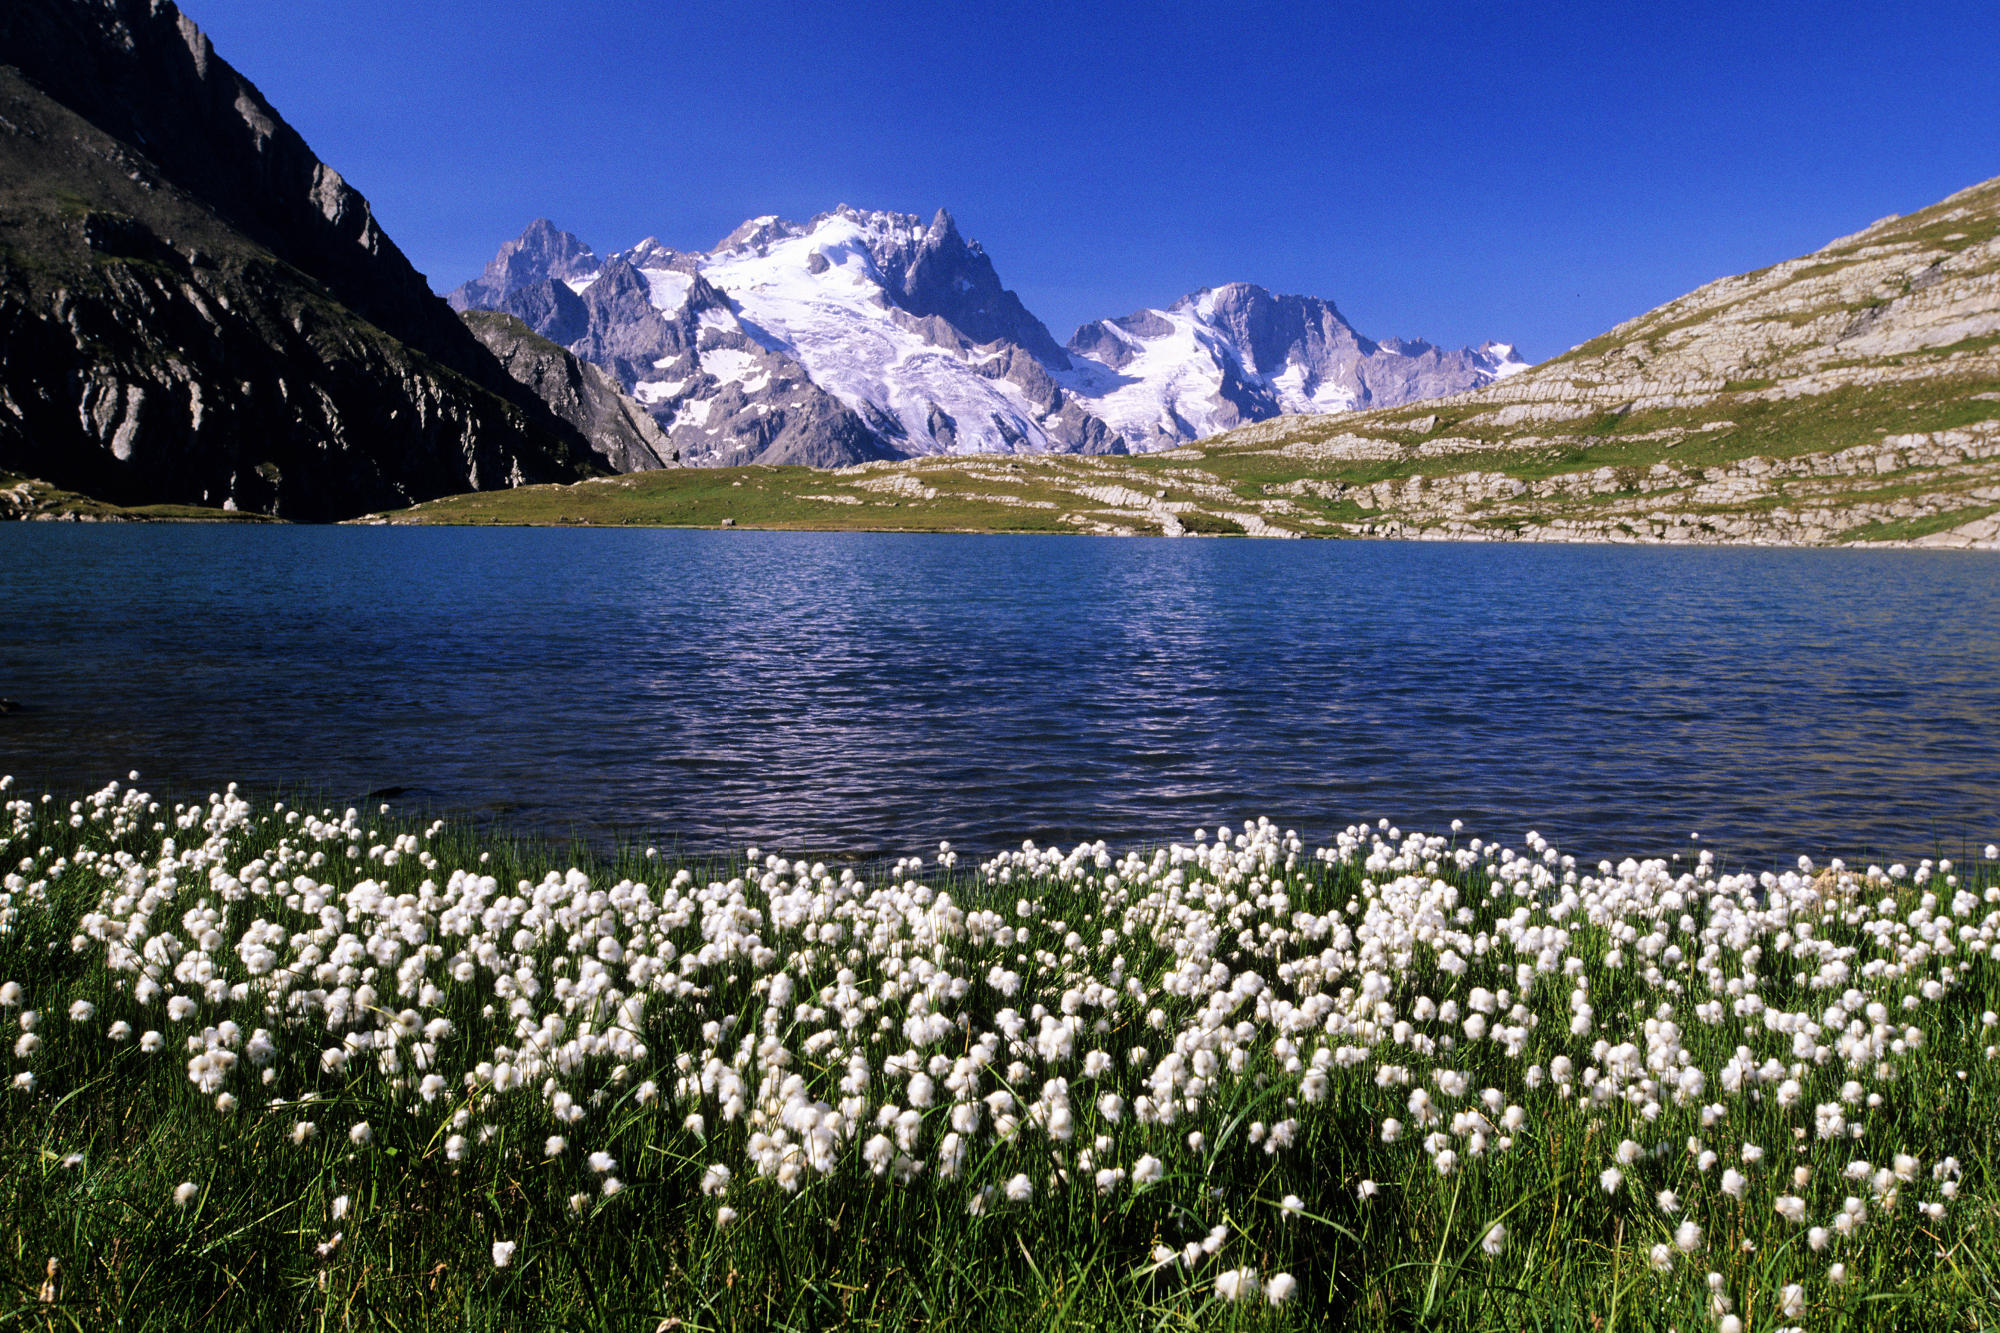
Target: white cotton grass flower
{"x": 845, "y": 1025}
{"x": 185, "y": 1192}
{"x": 555, "y": 1146}
{"x": 1279, "y": 1288}
{"x": 1237, "y": 1284}
{"x": 724, "y": 1217}
{"x": 503, "y": 1252}
{"x": 1495, "y": 1240}
{"x": 361, "y": 1134}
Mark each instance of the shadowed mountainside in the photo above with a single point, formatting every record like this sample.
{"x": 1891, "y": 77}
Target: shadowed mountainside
{"x": 194, "y": 309}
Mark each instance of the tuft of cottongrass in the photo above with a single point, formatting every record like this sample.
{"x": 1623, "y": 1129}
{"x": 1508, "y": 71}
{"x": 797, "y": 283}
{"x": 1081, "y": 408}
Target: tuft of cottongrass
{"x": 1052, "y": 1037}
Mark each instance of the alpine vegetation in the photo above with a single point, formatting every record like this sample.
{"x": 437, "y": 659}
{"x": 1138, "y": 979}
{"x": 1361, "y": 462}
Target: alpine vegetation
{"x": 270, "y": 1066}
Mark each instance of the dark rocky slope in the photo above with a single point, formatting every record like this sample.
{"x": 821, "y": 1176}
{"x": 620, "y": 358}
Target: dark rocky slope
{"x": 621, "y": 432}
{"x": 194, "y": 309}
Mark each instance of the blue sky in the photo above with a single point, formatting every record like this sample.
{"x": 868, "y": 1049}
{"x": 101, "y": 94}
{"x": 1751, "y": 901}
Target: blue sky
{"x": 1532, "y": 173}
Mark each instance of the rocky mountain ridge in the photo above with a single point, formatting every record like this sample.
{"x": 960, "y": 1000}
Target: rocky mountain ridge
{"x": 904, "y": 342}
{"x": 1847, "y": 397}
{"x": 1226, "y": 356}
{"x": 1849, "y": 394}
{"x": 621, "y": 432}
{"x": 196, "y": 310}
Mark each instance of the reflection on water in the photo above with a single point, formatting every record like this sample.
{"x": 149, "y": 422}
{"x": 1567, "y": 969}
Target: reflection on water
{"x": 872, "y": 694}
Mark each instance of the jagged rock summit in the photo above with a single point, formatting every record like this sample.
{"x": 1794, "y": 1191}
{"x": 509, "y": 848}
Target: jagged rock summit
{"x": 865, "y": 335}
{"x": 852, "y": 337}
{"x": 1224, "y": 356}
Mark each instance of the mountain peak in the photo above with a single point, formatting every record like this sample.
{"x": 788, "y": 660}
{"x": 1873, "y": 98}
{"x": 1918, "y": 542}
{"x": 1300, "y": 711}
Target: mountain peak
{"x": 1223, "y": 356}
{"x": 758, "y": 231}
{"x": 907, "y": 322}
{"x": 542, "y": 251}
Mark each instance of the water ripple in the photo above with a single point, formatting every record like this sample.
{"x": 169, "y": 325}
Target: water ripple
{"x": 872, "y": 694}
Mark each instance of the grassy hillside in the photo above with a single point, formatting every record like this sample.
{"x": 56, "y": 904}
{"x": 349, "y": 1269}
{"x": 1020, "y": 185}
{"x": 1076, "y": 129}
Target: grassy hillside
{"x": 26, "y": 498}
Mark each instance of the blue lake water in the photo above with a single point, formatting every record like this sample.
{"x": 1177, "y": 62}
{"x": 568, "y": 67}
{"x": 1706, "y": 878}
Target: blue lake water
{"x": 871, "y": 694}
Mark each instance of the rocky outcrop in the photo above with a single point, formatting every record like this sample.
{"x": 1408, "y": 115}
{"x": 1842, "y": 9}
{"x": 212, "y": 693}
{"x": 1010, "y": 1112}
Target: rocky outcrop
{"x": 1852, "y": 313}
{"x": 194, "y": 309}
{"x": 621, "y": 433}
{"x": 541, "y": 254}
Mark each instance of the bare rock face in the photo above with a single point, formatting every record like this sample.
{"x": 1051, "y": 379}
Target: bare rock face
{"x": 622, "y": 434}
{"x": 195, "y": 309}
{"x": 540, "y": 254}
{"x": 938, "y": 272}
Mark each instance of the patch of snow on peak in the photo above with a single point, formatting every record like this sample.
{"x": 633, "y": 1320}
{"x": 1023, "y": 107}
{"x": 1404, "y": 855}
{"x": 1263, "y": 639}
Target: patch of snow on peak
{"x": 666, "y": 288}
{"x": 1506, "y": 360}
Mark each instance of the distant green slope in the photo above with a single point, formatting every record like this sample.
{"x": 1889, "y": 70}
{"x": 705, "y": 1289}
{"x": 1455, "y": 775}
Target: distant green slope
{"x": 24, "y": 498}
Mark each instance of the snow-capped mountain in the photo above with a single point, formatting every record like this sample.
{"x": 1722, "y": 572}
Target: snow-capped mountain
{"x": 1228, "y": 355}
{"x": 854, "y": 336}
{"x": 863, "y": 335}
